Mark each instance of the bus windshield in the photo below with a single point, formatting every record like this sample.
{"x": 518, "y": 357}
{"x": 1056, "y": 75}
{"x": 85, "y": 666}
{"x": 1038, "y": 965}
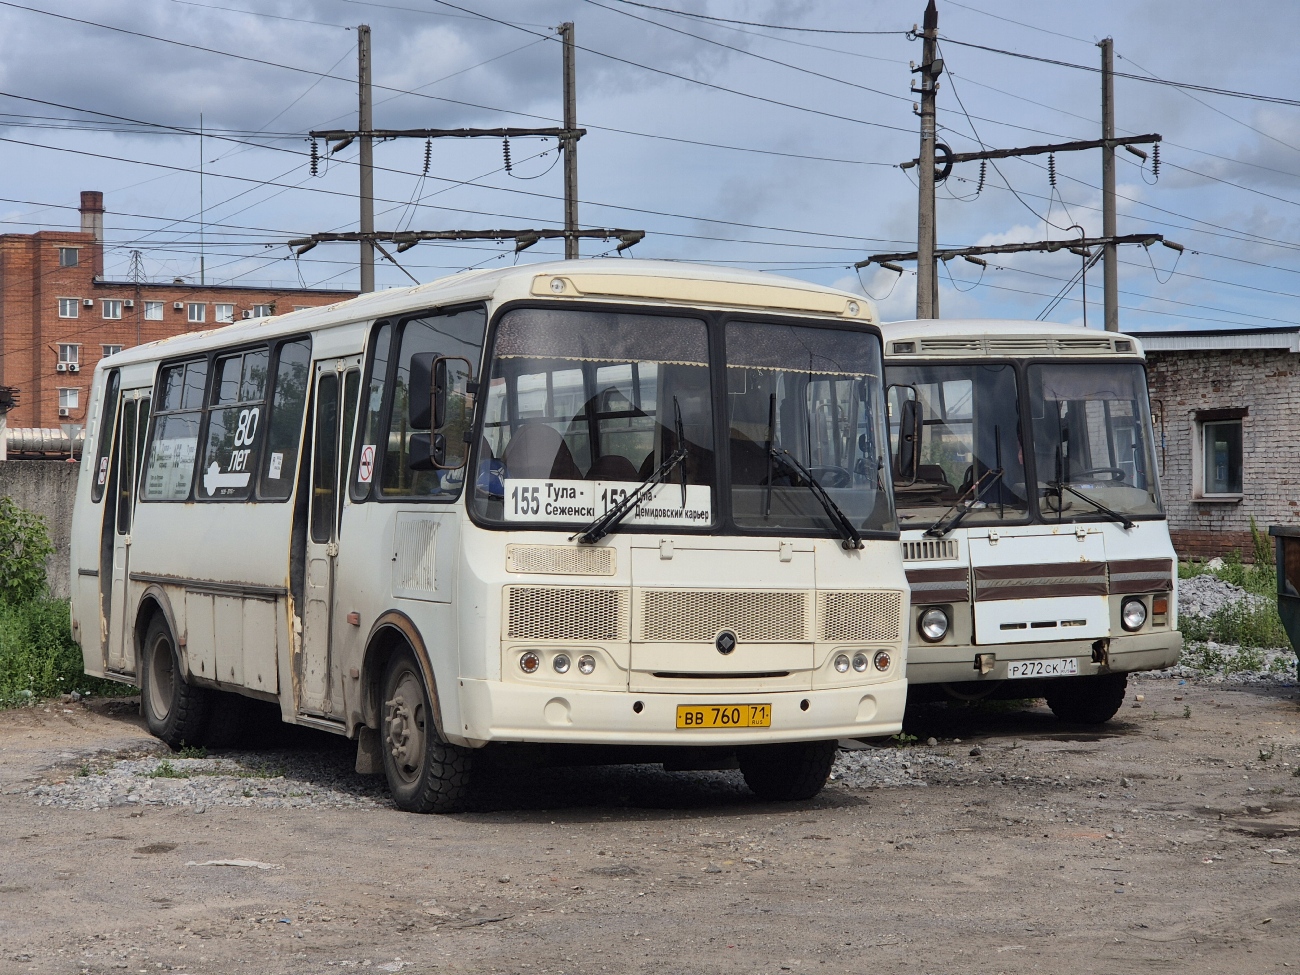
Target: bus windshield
{"x": 580, "y": 408}
{"x": 1091, "y": 431}
{"x": 969, "y": 421}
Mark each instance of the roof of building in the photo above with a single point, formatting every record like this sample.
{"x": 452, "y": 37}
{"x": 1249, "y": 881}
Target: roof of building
{"x": 670, "y": 282}
{"x": 1222, "y": 339}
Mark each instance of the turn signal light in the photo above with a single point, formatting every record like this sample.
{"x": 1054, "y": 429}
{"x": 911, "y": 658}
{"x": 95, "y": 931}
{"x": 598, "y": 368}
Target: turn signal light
{"x": 529, "y": 662}
{"x": 1160, "y": 610}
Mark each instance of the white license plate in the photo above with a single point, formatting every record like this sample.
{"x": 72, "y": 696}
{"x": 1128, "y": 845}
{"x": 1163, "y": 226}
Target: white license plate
{"x": 1063, "y": 667}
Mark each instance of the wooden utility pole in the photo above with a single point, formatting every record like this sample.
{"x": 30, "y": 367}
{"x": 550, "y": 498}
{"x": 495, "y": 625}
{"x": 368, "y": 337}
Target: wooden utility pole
{"x": 1110, "y": 268}
{"x": 570, "y": 145}
{"x": 927, "y": 279}
{"x": 365, "y": 124}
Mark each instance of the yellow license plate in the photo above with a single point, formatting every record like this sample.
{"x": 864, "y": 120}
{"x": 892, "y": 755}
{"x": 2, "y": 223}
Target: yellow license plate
{"x": 724, "y": 715}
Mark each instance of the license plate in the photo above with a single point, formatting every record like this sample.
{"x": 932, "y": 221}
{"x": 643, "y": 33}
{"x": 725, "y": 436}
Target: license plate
{"x": 1064, "y": 667}
{"x": 724, "y": 715}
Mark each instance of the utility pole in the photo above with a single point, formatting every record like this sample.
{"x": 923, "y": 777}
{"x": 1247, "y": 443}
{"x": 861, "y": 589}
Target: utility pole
{"x": 202, "y": 260}
{"x": 927, "y": 279}
{"x": 1110, "y": 269}
{"x": 365, "y": 124}
{"x": 569, "y": 145}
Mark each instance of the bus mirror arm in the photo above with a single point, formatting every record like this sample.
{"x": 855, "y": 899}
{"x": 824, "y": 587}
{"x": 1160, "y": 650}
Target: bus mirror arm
{"x": 428, "y": 452}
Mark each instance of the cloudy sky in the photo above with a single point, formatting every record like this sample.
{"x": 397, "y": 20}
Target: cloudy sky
{"x": 759, "y": 134}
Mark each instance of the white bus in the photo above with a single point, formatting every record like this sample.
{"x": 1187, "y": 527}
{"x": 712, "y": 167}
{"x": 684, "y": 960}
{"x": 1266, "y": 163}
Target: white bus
{"x": 613, "y": 503}
{"x": 1036, "y": 545}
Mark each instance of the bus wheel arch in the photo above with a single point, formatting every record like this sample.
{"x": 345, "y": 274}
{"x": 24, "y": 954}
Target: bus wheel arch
{"x": 154, "y": 602}
{"x": 175, "y": 710}
{"x": 392, "y": 633}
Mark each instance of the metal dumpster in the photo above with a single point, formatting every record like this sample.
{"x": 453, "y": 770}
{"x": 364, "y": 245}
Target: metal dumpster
{"x": 1287, "y": 540}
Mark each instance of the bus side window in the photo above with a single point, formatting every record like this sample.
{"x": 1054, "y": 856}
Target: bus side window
{"x": 373, "y": 410}
{"x": 288, "y": 400}
{"x": 235, "y": 426}
{"x": 107, "y": 414}
{"x": 173, "y": 447}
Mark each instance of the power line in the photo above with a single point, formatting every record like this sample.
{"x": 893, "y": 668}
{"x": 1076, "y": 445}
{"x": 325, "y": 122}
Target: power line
{"x": 750, "y": 23}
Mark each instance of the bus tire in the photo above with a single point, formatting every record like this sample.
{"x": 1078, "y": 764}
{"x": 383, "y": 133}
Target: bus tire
{"x": 174, "y": 709}
{"x": 426, "y": 774}
{"x": 1087, "y": 700}
{"x": 786, "y": 771}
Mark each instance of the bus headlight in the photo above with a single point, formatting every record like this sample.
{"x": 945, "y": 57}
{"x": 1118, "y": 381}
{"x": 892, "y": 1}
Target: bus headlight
{"x": 1133, "y": 613}
{"x": 586, "y": 663}
{"x": 860, "y": 662}
{"x": 933, "y": 624}
{"x": 842, "y": 663}
{"x": 561, "y": 663}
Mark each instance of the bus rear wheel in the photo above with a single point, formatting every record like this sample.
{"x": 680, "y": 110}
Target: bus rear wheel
{"x": 1087, "y": 700}
{"x": 786, "y": 771}
{"x": 426, "y": 774}
{"x": 174, "y": 709}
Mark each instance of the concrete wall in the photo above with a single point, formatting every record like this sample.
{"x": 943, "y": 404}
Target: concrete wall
{"x": 48, "y": 488}
{"x": 1266, "y": 382}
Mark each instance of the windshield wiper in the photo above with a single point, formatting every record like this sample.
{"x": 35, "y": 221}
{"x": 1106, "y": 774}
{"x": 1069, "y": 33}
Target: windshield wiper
{"x": 849, "y": 535}
{"x": 962, "y": 506}
{"x": 607, "y": 522}
{"x": 1108, "y": 512}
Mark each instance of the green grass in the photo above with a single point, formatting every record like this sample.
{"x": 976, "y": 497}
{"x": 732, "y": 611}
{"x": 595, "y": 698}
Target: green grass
{"x": 1251, "y": 627}
{"x": 38, "y": 657}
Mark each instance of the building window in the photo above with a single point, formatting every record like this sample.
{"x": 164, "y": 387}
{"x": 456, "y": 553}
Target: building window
{"x": 68, "y": 256}
{"x": 195, "y": 311}
{"x": 69, "y": 354}
{"x": 112, "y": 308}
{"x": 224, "y": 313}
{"x": 110, "y": 350}
{"x": 263, "y": 311}
{"x": 153, "y": 311}
{"x": 69, "y": 399}
{"x": 68, "y": 307}
{"x": 1220, "y": 453}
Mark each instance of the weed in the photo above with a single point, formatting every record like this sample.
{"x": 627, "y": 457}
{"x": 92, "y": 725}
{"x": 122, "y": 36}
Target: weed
{"x": 1265, "y": 753}
{"x": 248, "y": 793}
{"x": 1187, "y": 710}
{"x": 166, "y": 770}
{"x": 83, "y": 770}
{"x": 193, "y": 751}
{"x": 902, "y": 740}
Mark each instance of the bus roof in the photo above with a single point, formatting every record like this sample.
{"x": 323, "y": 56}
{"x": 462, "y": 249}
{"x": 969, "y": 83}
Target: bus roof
{"x": 613, "y": 279}
{"x": 928, "y": 338}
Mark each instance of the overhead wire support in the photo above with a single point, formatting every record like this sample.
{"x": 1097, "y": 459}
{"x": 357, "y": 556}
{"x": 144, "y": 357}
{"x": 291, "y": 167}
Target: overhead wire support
{"x": 1048, "y": 246}
{"x": 406, "y": 239}
{"x": 1127, "y": 142}
{"x": 555, "y": 132}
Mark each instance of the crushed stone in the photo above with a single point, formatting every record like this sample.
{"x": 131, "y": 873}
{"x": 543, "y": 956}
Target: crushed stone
{"x": 1205, "y": 595}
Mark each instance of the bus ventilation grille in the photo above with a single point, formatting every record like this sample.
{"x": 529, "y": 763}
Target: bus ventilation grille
{"x": 697, "y": 615}
{"x": 553, "y": 613}
{"x": 560, "y": 560}
{"x": 859, "y": 617}
{"x": 930, "y": 550}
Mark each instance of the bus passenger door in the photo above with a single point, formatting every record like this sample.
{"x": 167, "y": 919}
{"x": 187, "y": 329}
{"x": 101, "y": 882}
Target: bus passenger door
{"x": 337, "y": 384}
{"x": 125, "y": 478}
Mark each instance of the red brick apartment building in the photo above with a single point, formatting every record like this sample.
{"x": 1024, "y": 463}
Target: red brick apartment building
{"x": 59, "y": 317}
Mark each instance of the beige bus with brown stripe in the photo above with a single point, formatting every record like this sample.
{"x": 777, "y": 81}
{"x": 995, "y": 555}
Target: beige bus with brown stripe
{"x": 1036, "y": 545}
{"x": 624, "y": 504}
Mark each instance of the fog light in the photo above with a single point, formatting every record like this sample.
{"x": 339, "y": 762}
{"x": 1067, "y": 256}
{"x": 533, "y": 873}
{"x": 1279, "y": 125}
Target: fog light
{"x": 529, "y": 662}
{"x": 882, "y": 660}
{"x": 860, "y": 662}
{"x": 842, "y": 663}
{"x": 561, "y": 663}
{"x": 586, "y": 663}
{"x": 933, "y": 624}
{"x": 1133, "y": 613}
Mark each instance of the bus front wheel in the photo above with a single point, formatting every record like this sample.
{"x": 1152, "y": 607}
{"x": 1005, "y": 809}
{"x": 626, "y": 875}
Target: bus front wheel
{"x": 786, "y": 771}
{"x": 425, "y": 773}
{"x": 174, "y": 709}
{"x": 1087, "y": 700}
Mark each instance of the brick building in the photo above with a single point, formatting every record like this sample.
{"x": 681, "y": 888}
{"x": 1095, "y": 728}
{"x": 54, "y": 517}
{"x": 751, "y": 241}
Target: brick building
{"x": 59, "y": 316}
{"x": 1225, "y": 407}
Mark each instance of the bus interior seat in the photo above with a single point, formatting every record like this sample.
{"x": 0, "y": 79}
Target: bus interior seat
{"x": 613, "y": 467}
{"x": 538, "y": 450}
{"x": 749, "y": 460}
{"x": 935, "y": 474}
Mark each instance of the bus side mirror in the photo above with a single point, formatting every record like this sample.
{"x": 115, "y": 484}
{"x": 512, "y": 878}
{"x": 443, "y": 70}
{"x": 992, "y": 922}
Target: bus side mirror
{"x": 909, "y": 439}
{"x": 434, "y": 380}
{"x": 420, "y": 392}
{"x": 428, "y": 452}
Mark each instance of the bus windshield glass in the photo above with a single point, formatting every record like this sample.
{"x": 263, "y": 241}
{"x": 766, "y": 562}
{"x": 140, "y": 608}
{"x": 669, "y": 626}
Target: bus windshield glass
{"x": 969, "y": 431}
{"x": 802, "y": 417}
{"x": 581, "y": 407}
{"x": 1091, "y": 431}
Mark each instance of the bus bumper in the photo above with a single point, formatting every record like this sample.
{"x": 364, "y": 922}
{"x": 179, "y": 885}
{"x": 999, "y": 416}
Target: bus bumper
{"x": 959, "y": 664}
{"x": 512, "y": 712}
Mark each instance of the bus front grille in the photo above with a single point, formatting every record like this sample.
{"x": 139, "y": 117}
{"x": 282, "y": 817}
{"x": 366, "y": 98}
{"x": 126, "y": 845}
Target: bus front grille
{"x": 858, "y": 616}
{"x": 697, "y": 615}
{"x": 586, "y": 614}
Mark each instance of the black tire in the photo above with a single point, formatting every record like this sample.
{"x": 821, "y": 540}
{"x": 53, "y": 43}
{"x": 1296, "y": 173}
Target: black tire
{"x": 1087, "y": 700}
{"x": 787, "y": 771}
{"x": 426, "y": 774}
{"x": 174, "y": 709}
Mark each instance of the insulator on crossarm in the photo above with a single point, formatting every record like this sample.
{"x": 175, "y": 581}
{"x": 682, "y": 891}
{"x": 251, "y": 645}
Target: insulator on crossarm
{"x": 505, "y": 151}
{"x": 1155, "y": 160}
{"x": 428, "y": 155}
{"x": 984, "y": 164}
{"x": 315, "y": 159}
{"x": 1051, "y": 168}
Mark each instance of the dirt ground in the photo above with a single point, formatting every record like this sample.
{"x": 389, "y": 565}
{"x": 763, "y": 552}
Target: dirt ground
{"x": 1165, "y": 843}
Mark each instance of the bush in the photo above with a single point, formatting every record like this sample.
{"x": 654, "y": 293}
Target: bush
{"x": 24, "y": 547}
{"x": 1241, "y": 624}
{"x": 38, "y": 657}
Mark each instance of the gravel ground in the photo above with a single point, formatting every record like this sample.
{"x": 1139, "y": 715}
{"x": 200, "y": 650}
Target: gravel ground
{"x": 1205, "y": 595}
